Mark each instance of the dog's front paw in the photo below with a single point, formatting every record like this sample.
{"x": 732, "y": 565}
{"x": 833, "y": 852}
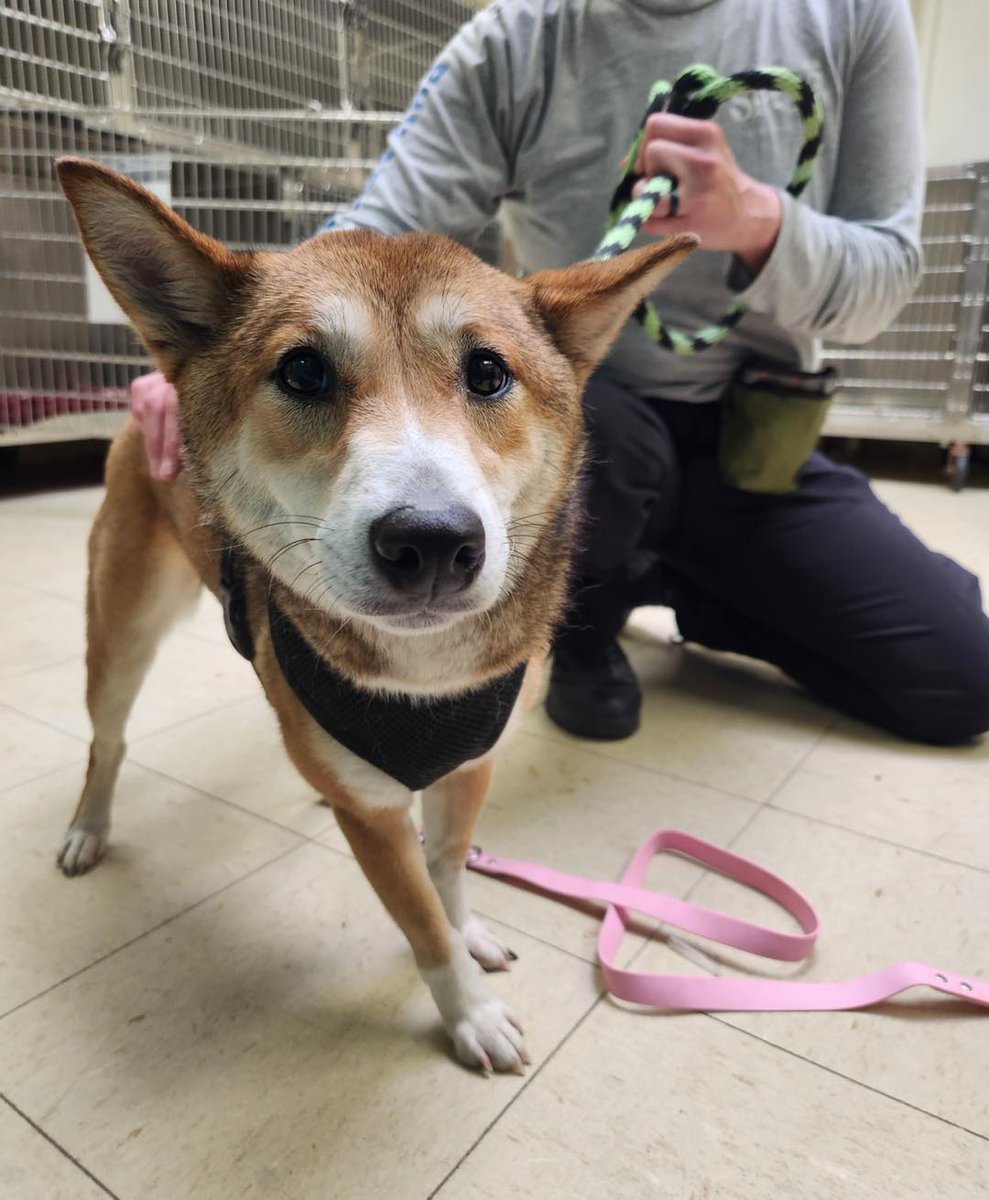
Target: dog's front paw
{"x": 484, "y": 1032}
{"x": 485, "y": 948}
{"x": 489, "y": 1037}
{"x": 82, "y": 849}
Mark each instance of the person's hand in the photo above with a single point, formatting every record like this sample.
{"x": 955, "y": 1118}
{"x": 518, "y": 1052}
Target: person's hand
{"x": 729, "y": 209}
{"x": 155, "y": 404}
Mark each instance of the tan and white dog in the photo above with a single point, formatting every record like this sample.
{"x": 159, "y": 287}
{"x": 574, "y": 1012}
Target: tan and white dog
{"x": 391, "y": 433}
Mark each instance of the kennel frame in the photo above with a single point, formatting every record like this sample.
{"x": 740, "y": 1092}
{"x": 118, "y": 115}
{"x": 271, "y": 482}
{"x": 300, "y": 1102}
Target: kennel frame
{"x": 268, "y": 128}
{"x": 926, "y": 378}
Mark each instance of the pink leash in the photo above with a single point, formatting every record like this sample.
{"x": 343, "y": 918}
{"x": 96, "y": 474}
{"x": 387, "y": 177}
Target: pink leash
{"x": 720, "y": 994}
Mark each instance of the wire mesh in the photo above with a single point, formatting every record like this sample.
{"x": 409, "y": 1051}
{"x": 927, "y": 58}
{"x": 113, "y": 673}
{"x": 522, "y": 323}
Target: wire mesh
{"x": 267, "y": 116}
{"x": 980, "y": 366}
{"x": 916, "y": 378}
{"x": 980, "y": 385}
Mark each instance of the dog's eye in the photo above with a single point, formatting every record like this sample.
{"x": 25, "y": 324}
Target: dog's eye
{"x": 487, "y": 376}
{"x": 304, "y": 374}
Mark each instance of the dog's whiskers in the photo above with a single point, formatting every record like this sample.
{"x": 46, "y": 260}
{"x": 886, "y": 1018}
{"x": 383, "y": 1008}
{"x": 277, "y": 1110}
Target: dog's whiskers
{"x": 310, "y": 522}
{"x": 286, "y": 548}
{"x": 315, "y": 563}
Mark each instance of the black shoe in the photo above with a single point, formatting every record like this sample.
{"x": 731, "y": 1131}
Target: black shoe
{"x": 593, "y": 692}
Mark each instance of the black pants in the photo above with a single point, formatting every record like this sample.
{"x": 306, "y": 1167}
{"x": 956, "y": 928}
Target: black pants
{"x": 825, "y": 582}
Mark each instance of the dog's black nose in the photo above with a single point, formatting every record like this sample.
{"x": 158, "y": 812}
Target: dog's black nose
{"x": 429, "y": 552}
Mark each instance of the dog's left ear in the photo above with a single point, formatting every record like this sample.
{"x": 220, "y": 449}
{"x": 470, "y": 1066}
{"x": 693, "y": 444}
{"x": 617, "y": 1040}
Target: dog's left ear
{"x": 174, "y": 283}
{"x": 586, "y": 305}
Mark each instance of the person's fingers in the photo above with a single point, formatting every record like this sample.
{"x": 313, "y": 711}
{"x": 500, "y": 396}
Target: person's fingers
{"x": 687, "y": 131}
{"x": 154, "y": 437}
{"x": 169, "y": 465}
{"x": 692, "y": 169}
{"x": 154, "y": 403}
{"x": 666, "y": 158}
{"x": 664, "y": 227}
{"x": 139, "y": 395}
{"x": 684, "y": 131}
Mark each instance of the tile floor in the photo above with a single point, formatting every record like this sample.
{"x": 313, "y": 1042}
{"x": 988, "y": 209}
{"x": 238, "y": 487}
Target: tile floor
{"x": 222, "y": 1009}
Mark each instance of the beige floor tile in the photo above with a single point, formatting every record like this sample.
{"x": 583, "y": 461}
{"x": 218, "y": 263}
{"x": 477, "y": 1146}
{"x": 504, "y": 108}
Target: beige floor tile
{"x": 236, "y": 753}
{"x": 714, "y": 719}
{"x": 45, "y": 552}
{"x": 274, "y": 1041}
{"x": 929, "y": 799}
{"x": 688, "y": 1109}
{"x": 31, "y": 1168}
{"x": 879, "y": 904}
{"x": 951, "y": 522}
{"x": 29, "y": 748}
{"x": 48, "y": 553}
{"x": 567, "y": 808}
{"x": 188, "y": 677}
{"x": 170, "y": 847}
{"x": 74, "y": 504}
{"x": 36, "y": 631}
{"x": 206, "y": 620}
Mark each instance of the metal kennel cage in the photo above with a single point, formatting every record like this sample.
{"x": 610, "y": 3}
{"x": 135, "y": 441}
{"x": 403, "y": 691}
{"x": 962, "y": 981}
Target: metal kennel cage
{"x": 926, "y": 378}
{"x": 253, "y": 118}
{"x": 257, "y": 118}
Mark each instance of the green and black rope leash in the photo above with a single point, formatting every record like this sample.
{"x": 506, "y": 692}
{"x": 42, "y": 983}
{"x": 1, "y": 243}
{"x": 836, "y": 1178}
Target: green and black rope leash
{"x": 699, "y": 92}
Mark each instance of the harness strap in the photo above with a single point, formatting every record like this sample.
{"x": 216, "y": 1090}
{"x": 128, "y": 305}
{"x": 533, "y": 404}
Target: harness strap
{"x": 720, "y": 993}
{"x": 699, "y": 93}
{"x": 234, "y": 599}
{"x": 414, "y": 739}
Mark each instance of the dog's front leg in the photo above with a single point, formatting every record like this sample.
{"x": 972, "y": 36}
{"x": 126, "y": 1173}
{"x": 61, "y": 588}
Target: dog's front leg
{"x": 484, "y": 1032}
{"x": 449, "y": 813}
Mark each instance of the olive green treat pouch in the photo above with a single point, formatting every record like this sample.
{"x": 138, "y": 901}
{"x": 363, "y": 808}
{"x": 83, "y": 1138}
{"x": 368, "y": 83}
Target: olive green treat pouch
{"x": 770, "y": 424}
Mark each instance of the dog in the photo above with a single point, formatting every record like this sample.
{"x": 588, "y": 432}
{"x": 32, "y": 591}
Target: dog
{"x": 383, "y": 445}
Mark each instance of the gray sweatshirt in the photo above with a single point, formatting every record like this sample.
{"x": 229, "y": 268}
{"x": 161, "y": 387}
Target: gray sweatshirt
{"x": 529, "y": 110}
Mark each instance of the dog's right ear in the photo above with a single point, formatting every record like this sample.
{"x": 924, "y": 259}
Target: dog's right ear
{"x": 174, "y": 283}
{"x": 584, "y": 306}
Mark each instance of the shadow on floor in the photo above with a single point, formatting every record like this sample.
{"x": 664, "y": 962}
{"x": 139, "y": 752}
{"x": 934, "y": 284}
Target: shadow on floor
{"x": 907, "y": 462}
{"x": 26, "y": 470}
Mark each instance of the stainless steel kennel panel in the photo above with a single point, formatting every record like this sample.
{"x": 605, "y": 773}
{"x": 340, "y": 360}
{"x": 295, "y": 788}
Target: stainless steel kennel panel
{"x": 256, "y": 119}
{"x": 58, "y": 360}
{"x": 155, "y": 55}
{"x": 267, "y": 115}
{"x": 927, "y": 377}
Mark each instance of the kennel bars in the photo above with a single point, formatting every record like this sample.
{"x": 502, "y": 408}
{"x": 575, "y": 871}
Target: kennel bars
{"x": 257, "y": 118}
{"x": 926, "y": 378}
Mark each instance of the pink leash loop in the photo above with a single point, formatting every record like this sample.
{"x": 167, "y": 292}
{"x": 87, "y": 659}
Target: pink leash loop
{"x": 716, "y": 993}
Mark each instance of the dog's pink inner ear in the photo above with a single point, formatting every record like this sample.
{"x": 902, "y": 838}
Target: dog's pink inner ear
{"x": 174, "y": 283}
{"x": 586, "y": 305}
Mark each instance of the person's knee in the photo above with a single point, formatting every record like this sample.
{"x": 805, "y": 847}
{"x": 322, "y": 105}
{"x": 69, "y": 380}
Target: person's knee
{"x": 951, "y": 710}
{"x": 966, "y": 717}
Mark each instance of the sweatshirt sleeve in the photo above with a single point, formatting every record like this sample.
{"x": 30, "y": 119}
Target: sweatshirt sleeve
{"x": 845, "y": 274}
{"x": 449, "y": 163}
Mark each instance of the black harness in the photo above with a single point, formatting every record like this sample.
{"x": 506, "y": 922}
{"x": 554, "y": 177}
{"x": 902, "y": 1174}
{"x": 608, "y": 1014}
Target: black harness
{"x": 414, "y": 739}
